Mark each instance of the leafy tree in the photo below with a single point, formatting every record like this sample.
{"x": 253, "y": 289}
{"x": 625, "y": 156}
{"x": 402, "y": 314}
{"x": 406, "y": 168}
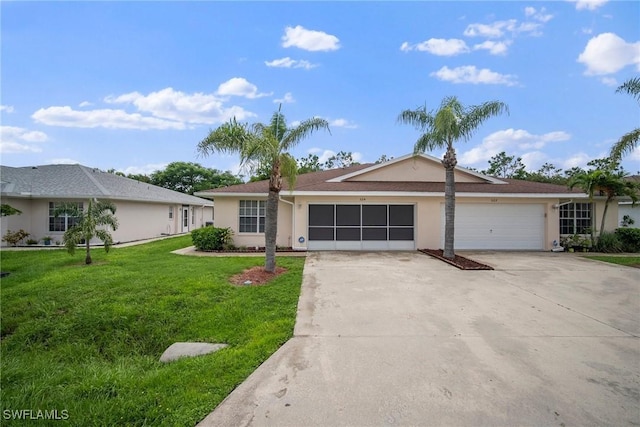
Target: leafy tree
{"x": 547, "y": 173}
{"x": 264, "y": 144}
{"x": 607, "y": 182}
{"x": 311, "y": 163}
{"x": 8, "y": 210}
{"x": 88, "y": 221}
{"x": 115, "y": 172}
{"x": 188, "y": 177}
{"x": 140, "y": 177}
{"x": 383, "y": 159}
{"x": 452, "y": 122}
{"x": 341, "y": 160}
{"x": 629, "y": 141}
{"x": 503, "y": 166}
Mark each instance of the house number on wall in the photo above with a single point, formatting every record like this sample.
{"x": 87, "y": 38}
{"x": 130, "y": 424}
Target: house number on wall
{"x": 494, "y": 200}
{"x": 362, "y": 199}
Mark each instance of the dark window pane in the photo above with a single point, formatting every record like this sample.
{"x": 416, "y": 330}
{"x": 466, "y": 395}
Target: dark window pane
{"x": 348, "y": 215}
{"x": 401, "y": 233}
{"x": 321, "y": 233}
{"x": 400, "y": 215}
{"x": 321, "y": 215}
{"x": 374, "y": 215}
{"x": 262, "y": 221}
{"x": 351, "y": 234}
{"x": 374, "y": 234}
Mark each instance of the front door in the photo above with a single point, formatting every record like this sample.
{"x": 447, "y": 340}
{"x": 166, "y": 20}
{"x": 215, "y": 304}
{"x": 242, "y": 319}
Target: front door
{"x": 185, "y": 219}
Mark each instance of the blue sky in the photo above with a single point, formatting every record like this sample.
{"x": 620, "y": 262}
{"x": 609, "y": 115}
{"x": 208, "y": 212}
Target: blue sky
{"x": 136, "y": 85}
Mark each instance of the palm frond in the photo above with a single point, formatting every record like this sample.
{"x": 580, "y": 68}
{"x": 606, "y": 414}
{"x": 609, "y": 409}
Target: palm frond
{"x": 228, "y": 138}
{"x": 306, "y": 128}
{"x": 478, "y": 114}
{"x": 625, "y": 145}
{"x": 289, "y": 169}
{"x": 419, "y": 118}
{"x": 631, "y": 87}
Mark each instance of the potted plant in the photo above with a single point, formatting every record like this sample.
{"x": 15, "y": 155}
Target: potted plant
{"x": 47, "y": 240}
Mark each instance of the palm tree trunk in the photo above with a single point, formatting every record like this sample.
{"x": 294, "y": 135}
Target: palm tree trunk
{"x": 449, "y": 162}
{"x": 88, "y": 259}
{"x": 271, "y": 231}
{"x": 604, "y": 215}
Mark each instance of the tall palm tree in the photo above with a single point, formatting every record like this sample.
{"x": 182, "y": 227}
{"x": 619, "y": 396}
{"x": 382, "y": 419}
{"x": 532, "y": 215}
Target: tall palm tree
{"x": 629, "y": 141}
{"x": 264, "y": 144}
{"x": 87, "y": 222}
{"x": 440, "y": 129}
{"x": 608, "y": 183}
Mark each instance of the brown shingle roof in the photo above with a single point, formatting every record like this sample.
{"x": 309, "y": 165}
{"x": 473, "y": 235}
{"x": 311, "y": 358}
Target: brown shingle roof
{"x": 317, "y": 182}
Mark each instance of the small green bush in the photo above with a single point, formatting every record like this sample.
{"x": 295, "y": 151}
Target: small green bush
{"x": 609, "y": 243}
{"x": 630, "y": 238}
{"x": 212, "y": 238}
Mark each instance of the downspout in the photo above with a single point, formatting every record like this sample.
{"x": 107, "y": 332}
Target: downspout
{"x": 293, "y": 225}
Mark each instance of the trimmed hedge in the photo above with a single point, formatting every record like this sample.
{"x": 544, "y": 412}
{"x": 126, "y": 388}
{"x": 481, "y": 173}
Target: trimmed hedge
{"x": 212, "y": 238}
{"x": 630, "y": 238}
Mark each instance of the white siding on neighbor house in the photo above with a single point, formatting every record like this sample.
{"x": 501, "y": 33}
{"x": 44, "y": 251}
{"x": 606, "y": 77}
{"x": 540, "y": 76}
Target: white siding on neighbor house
{"x": 632, "y": 211}
{"x": 137, "y": 220}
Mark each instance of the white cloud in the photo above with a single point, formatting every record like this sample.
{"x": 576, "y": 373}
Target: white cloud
{"x": 473, "y": 75}
{"x": 607, "y": 53}
{"x": 538, "y": 15}
{"x": 588, "y": 4}
{"x": 7, "y": 108}
{"x": 147, "y": 169}
{"x": 609, "y": 81}
{"x": 63, "y": 161}
{"x": 513, "y": 141}
{"x": 85, "y": 104}
{"x": 324, "y": 154}
{"x": 578, "y": 159}
{"x": 19, "y": 140}
{"x": 440, "y": 47}
{"x": 287, "y": 62}
{"x": 286, "y": 99}
{"x": 239, "y": 86}
{"x": 311, "y": 40}
{"x": 499, "y": 29}
{"x": 342, "y": 123}
{"x": 107, "y": 118}
{"x": 494, "y": 48}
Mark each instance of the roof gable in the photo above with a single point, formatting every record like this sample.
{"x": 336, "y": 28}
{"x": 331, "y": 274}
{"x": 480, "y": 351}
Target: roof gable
{"x": 77, "y": 181}
{"x": 413, "y": 168}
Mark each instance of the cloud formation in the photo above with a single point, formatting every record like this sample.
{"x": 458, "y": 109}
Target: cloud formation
{"x": 607, "y": 53}
{"x": 19, "y": 140}
{"x": 287, "y": 62}
{"x": 514, "y": 141}
{"x": 310, "y": 40}
{"x": 239, "y": 86}
{"x": 286, "y": 99}
{"x": 7, "y": 108}
{"x": 440, "y": 47}
{"x": 471, "y": 74}
{"x": 588, "y": 4}
{"x": 342, "y": 123}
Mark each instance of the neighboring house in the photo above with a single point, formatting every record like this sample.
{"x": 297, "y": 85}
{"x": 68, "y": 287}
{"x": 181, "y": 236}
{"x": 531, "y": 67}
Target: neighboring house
{"x": 143, "y": 210}
{"x": 627, "y": 208}
{"x": 399, "y": 205}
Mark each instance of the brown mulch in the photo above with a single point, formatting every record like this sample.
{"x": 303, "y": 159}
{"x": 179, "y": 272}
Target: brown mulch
{"x": 458, "y": 261}
{"x": 256, "y": 275}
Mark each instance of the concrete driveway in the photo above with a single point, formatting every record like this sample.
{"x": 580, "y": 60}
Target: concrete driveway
{"x": 401, "y": 339}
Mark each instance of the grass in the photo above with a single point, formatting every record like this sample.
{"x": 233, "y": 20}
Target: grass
{"x": 87, "y": 339}
{"x": 631, "y": 261}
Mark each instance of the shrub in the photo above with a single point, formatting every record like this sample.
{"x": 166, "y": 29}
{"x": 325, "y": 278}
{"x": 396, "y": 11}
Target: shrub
{"x": 212, "y": 238}
{"x": 630, "y": 238}
{"x": 14, "y": 237}
{"x": 609, "y": 243}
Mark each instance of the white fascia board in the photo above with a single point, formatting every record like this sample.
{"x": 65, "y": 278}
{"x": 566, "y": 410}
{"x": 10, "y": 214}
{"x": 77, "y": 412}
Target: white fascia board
{"x": 411, "y": 194}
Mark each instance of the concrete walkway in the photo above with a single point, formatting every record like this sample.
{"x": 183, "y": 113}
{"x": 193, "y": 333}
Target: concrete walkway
{"x": 404, "y": 339}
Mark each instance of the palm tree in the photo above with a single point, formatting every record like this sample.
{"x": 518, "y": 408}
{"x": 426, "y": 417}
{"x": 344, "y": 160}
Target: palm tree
{"x": 629, "y": 141}
{"x": 440, "y": 129}
{"x": 266, "y": 145}
{"x": 606, "y": 182}
{"x": 86, "y": 224}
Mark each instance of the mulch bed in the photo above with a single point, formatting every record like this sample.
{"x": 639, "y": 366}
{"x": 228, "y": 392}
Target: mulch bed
{"x": 458, "y": 261}
{"x": 253, "y": 250}
{"x": 256, "y": 275}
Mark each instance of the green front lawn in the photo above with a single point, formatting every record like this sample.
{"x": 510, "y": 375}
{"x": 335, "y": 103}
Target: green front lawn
{"x": 631, "y": 261}
{"x": 87, "y": 339}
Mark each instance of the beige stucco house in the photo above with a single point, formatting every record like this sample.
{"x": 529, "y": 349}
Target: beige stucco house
{"x": 143, "y": 210}
{"x": 399, "y": 205}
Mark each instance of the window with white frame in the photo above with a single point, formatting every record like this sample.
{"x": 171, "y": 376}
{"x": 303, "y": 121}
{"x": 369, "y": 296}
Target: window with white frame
{"x": 575, "y": 218}
{"x": 252, "y": 216}
{"x": 61, "y": 222}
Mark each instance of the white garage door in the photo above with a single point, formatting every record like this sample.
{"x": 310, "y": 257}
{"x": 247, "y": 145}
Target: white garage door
{"x": 498, "y": 226}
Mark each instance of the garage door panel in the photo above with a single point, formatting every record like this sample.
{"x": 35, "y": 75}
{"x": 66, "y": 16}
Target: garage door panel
{"x": 498, "y": 226}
